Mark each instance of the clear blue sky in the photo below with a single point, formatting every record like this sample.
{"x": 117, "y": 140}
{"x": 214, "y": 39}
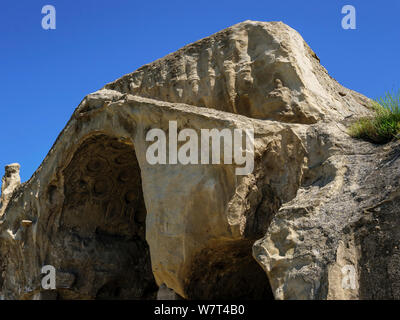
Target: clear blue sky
{"x": 44, "y": 74}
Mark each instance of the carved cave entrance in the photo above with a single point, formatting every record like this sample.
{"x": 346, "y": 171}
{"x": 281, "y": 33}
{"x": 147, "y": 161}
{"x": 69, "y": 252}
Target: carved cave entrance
{"x": 102, "y": 233}
{"x": 228, "y": 271}
{"x": 101, "y": 238}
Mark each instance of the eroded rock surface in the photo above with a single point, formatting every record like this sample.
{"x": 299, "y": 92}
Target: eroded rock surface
{"x": 342, "y": 223}
{"x": 11, "y": 180}
{"x": 262, "y": 70}
{"x": 317, "y": 204}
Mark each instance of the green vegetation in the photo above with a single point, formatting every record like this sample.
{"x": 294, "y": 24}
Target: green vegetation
{"x": 384, "y": 125}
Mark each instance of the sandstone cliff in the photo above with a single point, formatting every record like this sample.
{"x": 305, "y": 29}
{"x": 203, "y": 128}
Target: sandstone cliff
{"x": 317, "y": 203}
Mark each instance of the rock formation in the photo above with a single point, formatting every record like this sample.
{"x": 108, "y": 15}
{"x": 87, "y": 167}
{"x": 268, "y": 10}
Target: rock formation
{"x": 319, "y": 208}
{"x": 9, "y": 183}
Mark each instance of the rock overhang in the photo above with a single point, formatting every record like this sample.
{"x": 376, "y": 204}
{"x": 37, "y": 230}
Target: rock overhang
{"x": 254, "y": 74}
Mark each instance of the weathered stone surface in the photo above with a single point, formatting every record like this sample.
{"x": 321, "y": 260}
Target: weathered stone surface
{"x": 262, "y": 70}
{"x": 317, "y": 202}
{"x": 11, "y": 180}
{"x": 96, "y": 230}
{"x": 347, "y": 215}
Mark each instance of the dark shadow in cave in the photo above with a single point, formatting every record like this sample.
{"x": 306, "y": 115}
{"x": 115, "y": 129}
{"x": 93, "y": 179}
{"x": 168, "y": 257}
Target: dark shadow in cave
{"x": 227, "y": 271}
{"x": 101, "y": 238}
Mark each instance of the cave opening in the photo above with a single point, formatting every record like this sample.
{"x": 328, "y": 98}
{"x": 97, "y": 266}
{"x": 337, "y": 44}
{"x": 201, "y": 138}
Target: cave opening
{"x": 100, "y": 242}
{"x": 228, "y": 271}
{"x": 101, "y": 236}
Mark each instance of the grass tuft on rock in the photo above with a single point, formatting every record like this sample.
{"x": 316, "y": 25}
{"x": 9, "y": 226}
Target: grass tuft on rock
{"x": 384, "y": 126}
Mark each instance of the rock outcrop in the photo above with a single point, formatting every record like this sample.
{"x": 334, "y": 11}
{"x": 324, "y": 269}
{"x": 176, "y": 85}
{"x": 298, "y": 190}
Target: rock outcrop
{"x": 315, "y": 219}
{"x": 9, "y": 183}
{"x": 257, "y": 69}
